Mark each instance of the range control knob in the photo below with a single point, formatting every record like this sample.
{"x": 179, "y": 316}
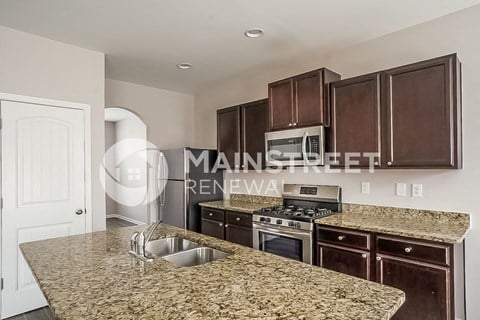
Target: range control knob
{"x": 279, "y": 221}
{"x": 267, "y": 220}
{"x": 291, "y": 224}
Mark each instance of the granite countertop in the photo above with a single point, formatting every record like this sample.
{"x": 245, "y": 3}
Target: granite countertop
{"x": 92, "y": 276}
{"x": 446, "y": 227}
{"x": 243, "y": 203}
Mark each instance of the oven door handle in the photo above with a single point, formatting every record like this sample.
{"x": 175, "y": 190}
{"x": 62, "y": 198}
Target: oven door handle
{"x": 304, "y": 148}
{"x": 282, "y": 231}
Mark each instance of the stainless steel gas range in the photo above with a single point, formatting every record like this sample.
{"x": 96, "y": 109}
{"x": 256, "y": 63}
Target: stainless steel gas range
{"x": 288, "y": 230}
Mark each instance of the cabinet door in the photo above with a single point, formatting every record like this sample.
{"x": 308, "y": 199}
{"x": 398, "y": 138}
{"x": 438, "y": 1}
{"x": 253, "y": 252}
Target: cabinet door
{"x": 280, "y": 106}
{"x": 308, "y": 100}
{"x": 423, "y": 114}
{"x": 425, "y": 287}
{"x": 240, "y": 235}
{"x": 228, "y": 134}
{"x": 355, "y": 109}
{"x": 349, "y": 261}
{"x": 254, "y": 126}
{"x": 213, "y": 229}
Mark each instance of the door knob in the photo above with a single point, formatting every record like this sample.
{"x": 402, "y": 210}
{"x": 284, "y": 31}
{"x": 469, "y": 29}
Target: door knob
{"x": 79, "y": 212}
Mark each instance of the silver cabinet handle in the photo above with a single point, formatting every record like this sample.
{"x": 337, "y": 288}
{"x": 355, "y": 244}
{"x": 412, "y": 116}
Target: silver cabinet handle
{"x": 238, "y": 219}
{"x": 226, "y": 226}
{"x": 389, "y": 163}
{"x": 408, "y": 249}
{"x": 290, "y": 124}
{"x": 79, "y": 212}
{"x": 294, "y": 124}
{"x": 210, "y": 214}
{"x": 220, "y": 224}
{"x": 340, "y": 238}
{"x": 364, "y": 255}
{"x": 379, "y": 258}
{"x": 376, "y": 163}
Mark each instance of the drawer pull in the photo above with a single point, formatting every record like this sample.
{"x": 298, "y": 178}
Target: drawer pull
{"x": 226, "y": 226}
{"x": 210, "y": 214}
{"x": 220, "y": 224}
{"x": 379, "y": 258}
{"x": 364, "y": 255}
{"x": 340, "y": 238}
{"x": 408, "y": 249}
{"x": 238, "y": 219}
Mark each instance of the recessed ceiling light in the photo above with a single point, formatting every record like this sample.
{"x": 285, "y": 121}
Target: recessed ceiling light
{"x": 184, "y": 66}
{"x": 254, "y": 33}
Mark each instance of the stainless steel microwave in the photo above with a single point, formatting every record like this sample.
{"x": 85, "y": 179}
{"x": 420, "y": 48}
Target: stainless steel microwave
{"x": 296, "y": 147}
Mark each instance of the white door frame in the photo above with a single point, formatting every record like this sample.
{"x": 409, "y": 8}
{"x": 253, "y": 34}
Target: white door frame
{"x": 88, "y": 162}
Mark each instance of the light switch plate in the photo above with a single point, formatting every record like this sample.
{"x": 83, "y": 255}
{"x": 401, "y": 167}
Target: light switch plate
{"x": 417, "y": 190}
{"x": 401, "y": 189}
{"x": 366, "y": 187}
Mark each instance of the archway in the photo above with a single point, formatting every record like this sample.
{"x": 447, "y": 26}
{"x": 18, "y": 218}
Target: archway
{"x": 125, "y": 168}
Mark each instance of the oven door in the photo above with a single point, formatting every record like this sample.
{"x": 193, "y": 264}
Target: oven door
{"x": 297, "y": 147}
{"x": 285, "y": 242}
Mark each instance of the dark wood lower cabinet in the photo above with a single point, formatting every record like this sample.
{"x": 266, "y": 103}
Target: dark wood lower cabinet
{"x": 232, "y": 226}
{"x": 432, "y": 274}
{"x": 213, "y": 228}
{"x": 240, "y": 235}
{"x": 352, "y": 262}
{"x": 425, "y": 287}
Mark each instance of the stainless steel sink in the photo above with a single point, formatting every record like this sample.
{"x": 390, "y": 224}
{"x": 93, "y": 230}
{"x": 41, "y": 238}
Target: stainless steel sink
{"x": 195, "y": 257}
{"x": 166, "y": 246}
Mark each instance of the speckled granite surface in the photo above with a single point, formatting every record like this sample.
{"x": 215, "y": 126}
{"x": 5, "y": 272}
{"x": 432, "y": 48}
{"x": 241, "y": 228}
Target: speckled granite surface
{"x": 243, "y": 203}
{"x": 446, "y": 227}
{"x": 92, "y": 276}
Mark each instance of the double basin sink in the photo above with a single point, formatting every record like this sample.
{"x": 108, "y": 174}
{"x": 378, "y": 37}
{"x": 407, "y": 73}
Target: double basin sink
{"x": 182, "y": 252}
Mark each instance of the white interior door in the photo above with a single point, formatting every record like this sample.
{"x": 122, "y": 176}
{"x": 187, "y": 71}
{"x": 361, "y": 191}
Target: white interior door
{"x": 43, "y": 186}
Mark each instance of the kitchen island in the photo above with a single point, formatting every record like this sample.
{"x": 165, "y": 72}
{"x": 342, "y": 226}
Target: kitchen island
{"x": 92, "y": 276}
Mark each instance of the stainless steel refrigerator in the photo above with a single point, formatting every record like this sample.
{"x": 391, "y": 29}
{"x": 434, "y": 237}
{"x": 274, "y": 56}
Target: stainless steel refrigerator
{"x": 190, "y": 180}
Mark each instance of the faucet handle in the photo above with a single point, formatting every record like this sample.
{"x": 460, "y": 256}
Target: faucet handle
{"x": 133, "y": 241}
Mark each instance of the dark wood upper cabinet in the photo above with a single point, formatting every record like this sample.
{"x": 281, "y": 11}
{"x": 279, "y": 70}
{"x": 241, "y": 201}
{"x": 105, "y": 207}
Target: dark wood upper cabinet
{"x": 299, "y": 101}
{"x": 229, "y": 133}
{"x": 356, "y": 126}
{"x": 280, "y": 95}
{"x": 240, "y": 131}
{"x": 410, "y": 115}
{"x": 423, "y": 113}
{"x": 254, "y": 126}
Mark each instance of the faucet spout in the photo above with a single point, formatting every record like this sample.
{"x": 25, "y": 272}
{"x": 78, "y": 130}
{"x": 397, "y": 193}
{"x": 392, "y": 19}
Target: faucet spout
{"x": 139, "y": 241}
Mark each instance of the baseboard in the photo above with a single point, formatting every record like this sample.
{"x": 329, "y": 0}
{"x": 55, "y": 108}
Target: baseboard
{"x": 118, "y": 216}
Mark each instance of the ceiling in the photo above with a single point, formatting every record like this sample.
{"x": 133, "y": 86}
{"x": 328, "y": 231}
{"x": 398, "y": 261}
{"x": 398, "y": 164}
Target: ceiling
{"x": 145, "y": 39}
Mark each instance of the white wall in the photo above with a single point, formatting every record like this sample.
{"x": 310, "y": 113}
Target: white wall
{"x": 169, "y": 115}
{"x": 131, "y": 128}
{"x": 110, "y": 164}
{"x": 39, "y": 67}
{"x": 455, "y": 190}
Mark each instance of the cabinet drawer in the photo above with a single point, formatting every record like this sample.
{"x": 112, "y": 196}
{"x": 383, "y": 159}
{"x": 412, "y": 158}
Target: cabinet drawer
{"x": 239, "y": 219}
{"x": 343, "y": 237}
{"x": 417, "y": 250}
{"x": 213, "y": 214}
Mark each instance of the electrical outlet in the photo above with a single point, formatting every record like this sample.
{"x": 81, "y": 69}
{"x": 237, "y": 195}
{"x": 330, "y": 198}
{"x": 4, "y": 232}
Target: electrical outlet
{"x": 401, "y": 189}
{"x": 417, "y": 190}
{"x": 365, "y": 187}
